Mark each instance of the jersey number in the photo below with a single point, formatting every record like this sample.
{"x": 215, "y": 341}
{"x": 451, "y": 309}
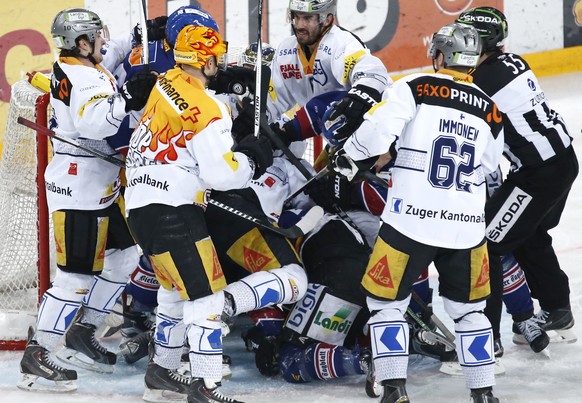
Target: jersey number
{"x": 514, "y": 63}
{"x": 451, "y": 164}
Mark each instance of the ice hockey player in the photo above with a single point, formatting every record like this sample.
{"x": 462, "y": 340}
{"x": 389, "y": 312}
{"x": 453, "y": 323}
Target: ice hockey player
{"x": 435, "y": 214}
{"x": 176, "y": 155}
{"x": 534, "y": 193}
{"x": 321, "y": 57}
{"x": 95, "y": 250}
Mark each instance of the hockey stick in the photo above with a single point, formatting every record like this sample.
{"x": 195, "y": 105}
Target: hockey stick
{"x": 439, "y": 324}
{"x": 49, "y": 133}
{"x": 145, "y": 51}
{"x": 319, "y": 175}
{"x": 306, "y": 224}
{"x": 430, "y": 335}
{"x": 259, "y": 69}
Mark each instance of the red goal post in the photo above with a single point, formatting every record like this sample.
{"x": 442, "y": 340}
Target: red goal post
{"x": 25, "y": 235}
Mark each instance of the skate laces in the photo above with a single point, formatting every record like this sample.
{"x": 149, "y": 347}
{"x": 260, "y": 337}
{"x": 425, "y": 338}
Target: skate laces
{"x": 175, "y": 376}
{"x": 218, "y": 395}
{"x": 541, "y": 317}
{"x": 530, "y": 328}
{"x": 50, "y": 363}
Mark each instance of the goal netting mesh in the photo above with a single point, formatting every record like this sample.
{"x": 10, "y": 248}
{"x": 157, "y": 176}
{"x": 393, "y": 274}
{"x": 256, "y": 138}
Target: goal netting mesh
{"x": 20, "y": 226}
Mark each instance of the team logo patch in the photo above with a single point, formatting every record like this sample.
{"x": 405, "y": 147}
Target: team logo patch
{"x": 476, "y": 348}
{"x": 72, "y": 168}
{"x": 385, "y": 270}
{"x": 396, "y": 205}
{"x": 389, "y": 339}
{"x": 254, "y": 261}
{"x": 480, "y": 286}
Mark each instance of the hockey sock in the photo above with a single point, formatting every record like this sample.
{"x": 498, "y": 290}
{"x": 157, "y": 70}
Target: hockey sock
{"x": 516, "y": 294}
{"x": 143, "y": 286}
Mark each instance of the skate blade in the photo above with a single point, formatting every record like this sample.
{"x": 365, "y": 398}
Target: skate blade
{"x": 556, "y": 336}
{"x": 80, "y": 360}
{"x": 163, "y": 396}
{"x": 453, "y": 368}
{"x": 373, "y": 388}
{"x": 35, "y": 383}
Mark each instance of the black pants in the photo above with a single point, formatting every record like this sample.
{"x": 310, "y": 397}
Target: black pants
{"x": 520, "y": 213}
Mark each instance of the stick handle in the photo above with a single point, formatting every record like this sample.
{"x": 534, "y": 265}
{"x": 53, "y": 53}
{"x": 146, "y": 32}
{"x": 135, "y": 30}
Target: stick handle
{"x": 49, "y": 133}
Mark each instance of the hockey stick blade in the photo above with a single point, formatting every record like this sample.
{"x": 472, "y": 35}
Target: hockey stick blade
{"x": 304, "y": 225}
{"x": 439, "y": 324}
{"x": 49, "y": 133}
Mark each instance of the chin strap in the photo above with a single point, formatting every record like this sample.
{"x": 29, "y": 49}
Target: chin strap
{"x": 89, "y": 56}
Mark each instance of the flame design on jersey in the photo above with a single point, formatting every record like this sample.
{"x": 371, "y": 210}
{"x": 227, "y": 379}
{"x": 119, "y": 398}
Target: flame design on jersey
{"x": 195, "y": 45}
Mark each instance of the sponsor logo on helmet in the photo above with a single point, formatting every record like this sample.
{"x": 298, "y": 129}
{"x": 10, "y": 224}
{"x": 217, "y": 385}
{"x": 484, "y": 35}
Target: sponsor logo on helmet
{"x": 480, "y": 18}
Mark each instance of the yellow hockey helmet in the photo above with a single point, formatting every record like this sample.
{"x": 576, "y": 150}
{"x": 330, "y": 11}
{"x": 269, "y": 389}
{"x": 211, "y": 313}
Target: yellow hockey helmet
{"x": 196, "y": 44}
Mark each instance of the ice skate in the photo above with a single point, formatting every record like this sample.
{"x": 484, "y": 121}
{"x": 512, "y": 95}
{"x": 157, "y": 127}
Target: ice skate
{"x": 136, "y": 347}
{"x": 533, "y": 334}
{"x": 165, "y": 385}
{"x": 483, "y": 395}
{"x": 373, "y": 389}
{"x": 83, "y": 350}
{"x": 557, "y": 324}
{"x": 135, "y": 323}
{"x": 206, "y": 391}
{"x": 394, "y": 391}
{"x": 41, "y": 374}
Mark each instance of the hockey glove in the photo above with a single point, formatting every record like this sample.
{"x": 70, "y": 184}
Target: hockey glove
{"x": 244, "y": 123}
{"x": 348, "y": 114}
{"x": 266, "y": 350}
{"x": 330, "y": 191}
{"x": 286, "y": 134}
{"x": 258, "y": 150}
{"x": 234, "y": 80}
{"x": 156, "y": 29}
{"x": 137, "y": 89}
{"x": 343, "y": 164}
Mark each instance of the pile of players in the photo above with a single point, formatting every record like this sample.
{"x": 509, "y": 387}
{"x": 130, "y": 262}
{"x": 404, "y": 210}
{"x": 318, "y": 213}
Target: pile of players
{"x": 208, "y": 201}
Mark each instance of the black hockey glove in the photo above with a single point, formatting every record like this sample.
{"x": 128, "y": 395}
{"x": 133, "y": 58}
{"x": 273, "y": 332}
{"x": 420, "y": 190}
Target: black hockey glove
{"x": 156, "y": 29}
{"x": 330, "y": 191}
{"x": 244, "y": 123}
{"x": 259, "y": 150}
{"x": 286, "y": 134}
{"x": 266, "y": 349}
{"x": 137, "y": 89}
{"x": 348, "y": 114}
{"x": 345, "y": 166}
{"x": 234, "y": 80}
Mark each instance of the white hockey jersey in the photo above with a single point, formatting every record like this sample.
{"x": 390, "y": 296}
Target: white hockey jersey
{"x": 182, "y": 146}
{"x": 340, "y": 62}
{"x": 448, "y": 134}
{"x": 87, "y": 108}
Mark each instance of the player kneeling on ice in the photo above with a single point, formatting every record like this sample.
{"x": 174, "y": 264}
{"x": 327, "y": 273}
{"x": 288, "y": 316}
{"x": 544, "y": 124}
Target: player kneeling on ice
{"x": 440, "y": 170}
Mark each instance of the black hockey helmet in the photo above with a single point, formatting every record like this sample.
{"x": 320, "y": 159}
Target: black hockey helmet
{"x": 490, "y": 23}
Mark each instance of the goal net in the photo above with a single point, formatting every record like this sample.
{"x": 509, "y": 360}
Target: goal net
{"x": 24, "y": 222}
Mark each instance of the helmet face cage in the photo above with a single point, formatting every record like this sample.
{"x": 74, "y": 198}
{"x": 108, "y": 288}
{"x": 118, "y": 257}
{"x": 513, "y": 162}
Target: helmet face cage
{"x": 490, "y": 23}
{"x": 320, "y": 7}
{"x": 72, "y": 23}
{"x": 459, "y": 43}
{"x": 184, "y": 16}
{"x": 250, "y": 54}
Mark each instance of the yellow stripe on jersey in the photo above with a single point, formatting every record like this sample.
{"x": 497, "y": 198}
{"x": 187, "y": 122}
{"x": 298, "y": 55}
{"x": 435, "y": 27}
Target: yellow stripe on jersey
{"x": 102, "y": 229}
{"x": 385, "y": 270}
{"x": 211, "y": 264}
{"x": 93, "y": 99}
{"x": 480, "y": 285}
{"x": 373, "y": 108}
{"x": 349, "y": 63}
{"x": 252, "y": 252}
{"x": 231, "y": 160}
{"x": 59, "y": 231}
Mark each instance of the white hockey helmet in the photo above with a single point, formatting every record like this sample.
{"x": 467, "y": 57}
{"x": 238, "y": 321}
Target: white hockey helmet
{"x": 460, "y": 45}
{"x": 72, "y": 23}
{"x": 320, "y": 7}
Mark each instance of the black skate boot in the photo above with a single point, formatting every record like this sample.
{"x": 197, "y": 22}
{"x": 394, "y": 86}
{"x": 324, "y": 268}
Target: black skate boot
{"x": 558, "y": 323}
{"x": 483, "y": 395}
{"x": 535, "y": 336}
{"x": 498, "y": 348}
{"x": 373, "y": 389}
{"x": 165, "y": 385}
{"x": 36, "y": 364}
{"x": 135, "y": 322}
{"x": 136, "y": 348}
{"x": 83, "y": 350}
{"x": 202, "y": 391}
{"x": 394, "y": 391}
